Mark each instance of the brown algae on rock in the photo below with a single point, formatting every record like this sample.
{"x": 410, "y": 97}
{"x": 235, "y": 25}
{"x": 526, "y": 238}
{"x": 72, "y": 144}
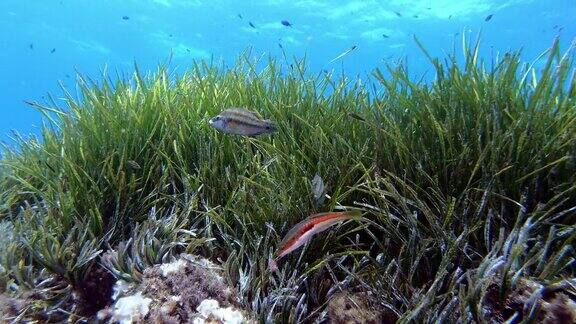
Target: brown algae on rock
{"x": 349, "y": 307}
{"x": 553, "y": 306}
{"x": 189, "y": 289}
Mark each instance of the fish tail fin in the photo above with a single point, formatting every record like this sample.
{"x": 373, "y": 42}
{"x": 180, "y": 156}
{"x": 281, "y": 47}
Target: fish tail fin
{"x": 272, "y": 125}
{"x": 354, "y": 214}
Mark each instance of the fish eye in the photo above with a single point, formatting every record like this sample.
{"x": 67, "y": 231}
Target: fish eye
{"x": 217, "y": 118}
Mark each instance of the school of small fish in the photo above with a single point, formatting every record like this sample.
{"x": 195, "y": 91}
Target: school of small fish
{"x": 287, "y": 23}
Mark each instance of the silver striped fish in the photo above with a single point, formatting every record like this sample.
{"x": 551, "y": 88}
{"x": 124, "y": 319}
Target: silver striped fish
{"x": 240, "y": 121}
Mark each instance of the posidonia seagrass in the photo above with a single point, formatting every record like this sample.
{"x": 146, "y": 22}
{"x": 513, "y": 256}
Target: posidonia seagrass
{"x": 467, "y": 182}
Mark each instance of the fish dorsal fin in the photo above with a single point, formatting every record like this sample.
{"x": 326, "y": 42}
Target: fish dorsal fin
{"x": 242, "y": 111}
{"x": 347, "y": 214}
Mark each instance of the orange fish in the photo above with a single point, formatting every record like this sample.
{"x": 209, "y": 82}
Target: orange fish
{"x": 303, "y": 232}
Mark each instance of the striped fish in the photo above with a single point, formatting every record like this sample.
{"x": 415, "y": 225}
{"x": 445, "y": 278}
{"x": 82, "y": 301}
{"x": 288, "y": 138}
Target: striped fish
{"x": 302, "y": 232}
{"x": 240, "y": 121}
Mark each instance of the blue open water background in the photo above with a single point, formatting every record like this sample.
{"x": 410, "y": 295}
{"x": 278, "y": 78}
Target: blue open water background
{"x": 44, "y": 42}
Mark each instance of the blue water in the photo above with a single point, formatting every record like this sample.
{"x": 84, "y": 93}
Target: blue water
{"x": 44, "y": 42}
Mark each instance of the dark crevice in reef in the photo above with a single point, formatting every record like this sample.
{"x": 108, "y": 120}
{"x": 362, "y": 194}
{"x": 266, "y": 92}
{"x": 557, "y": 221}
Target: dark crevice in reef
{"x": 95, "y": 292}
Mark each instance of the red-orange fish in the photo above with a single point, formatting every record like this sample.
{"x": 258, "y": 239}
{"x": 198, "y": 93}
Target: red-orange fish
{"x": 303, "y": 232}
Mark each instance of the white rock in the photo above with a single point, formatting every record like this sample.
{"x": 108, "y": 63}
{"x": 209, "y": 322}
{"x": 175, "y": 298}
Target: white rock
{"x": 170, "y": 304}
{"x": 227, "y": 315}
{"x": 119, "y": 288}
{"x": 198, "y": 320}
{"x": 168, "y": 268}
{"x": 128, "y": 308}
{"x": 207, "y": 306}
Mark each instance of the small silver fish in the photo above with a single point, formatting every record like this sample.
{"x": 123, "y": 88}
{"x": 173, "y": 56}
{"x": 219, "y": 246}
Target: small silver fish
{"x": 133, "y": 164}
{"x": 344, "y": 53}
{"x": 318, "y": 190}
{"x": 240, "y": 121}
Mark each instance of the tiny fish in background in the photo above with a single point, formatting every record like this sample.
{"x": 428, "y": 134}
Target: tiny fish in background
{"x": 318, "y": 190}
{"x": 302, "y": 232}
{"x": 488, "y": 17}
{"x": 125, "y": 17}
{"x": 286, "y": 23}
{"x": 133, "y": 164}
{"x": 398, "y": 14}
{"x": 356, "y": 116}
{"x": 49, "y": 166}
{"x": 240, "y": 121}
{"x": 52, "y": 51}
{"x": 385, "y": 36}
{"x": 344, "y": 54}
{"x": 240, "y": 16}
{"x": 31, "y": 46}
{"x": 251, "y": 24}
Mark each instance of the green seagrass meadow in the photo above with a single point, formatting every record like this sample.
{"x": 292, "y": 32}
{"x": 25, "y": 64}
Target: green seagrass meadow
{"x": 467, "y": 182}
